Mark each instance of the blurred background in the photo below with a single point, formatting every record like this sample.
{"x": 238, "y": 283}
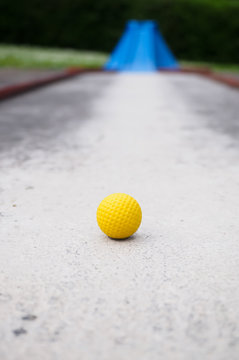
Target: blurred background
{"x": 62, "y": 33}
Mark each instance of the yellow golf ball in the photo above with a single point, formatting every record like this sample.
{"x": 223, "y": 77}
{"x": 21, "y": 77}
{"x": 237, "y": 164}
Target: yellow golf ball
{"x": 119, "y": 216}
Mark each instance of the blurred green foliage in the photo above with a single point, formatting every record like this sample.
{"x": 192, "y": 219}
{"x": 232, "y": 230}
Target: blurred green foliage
{"x": 195, "y": 29}
{"x": 21, "y": 56}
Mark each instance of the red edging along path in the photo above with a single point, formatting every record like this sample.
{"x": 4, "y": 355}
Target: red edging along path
{"x": 18, "y": 89}
{"x": 13, "y": 90}
{"x": 223, "y": 79}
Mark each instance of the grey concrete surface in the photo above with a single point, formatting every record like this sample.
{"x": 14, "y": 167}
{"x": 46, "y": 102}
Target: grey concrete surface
{"x": 14, "y": 76}
{"x": 171, "y": 292}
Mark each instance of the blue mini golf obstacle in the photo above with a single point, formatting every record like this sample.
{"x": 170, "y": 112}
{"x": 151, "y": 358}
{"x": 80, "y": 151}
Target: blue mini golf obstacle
{"x": 141, "y": 48}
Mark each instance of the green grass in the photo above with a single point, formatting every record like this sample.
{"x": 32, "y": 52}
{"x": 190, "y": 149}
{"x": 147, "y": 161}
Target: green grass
{"x": 38, "y": 57}
{"x": 212, "y": 66}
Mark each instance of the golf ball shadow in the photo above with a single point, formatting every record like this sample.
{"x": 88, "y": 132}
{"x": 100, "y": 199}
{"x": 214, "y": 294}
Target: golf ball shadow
{"x": 129, "y": 238}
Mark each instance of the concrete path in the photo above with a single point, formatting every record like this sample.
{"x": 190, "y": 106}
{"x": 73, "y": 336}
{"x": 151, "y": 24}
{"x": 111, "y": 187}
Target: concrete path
{"x": 171, "y": 292}
{"x": 12, "y": 76}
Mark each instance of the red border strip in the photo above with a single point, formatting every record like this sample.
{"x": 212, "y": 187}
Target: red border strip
{"x": 18, "y": 89}
{"x": 223, "y": 79}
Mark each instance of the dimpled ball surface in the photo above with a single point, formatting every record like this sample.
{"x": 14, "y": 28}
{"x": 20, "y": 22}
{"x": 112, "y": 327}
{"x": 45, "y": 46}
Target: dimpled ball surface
{"x": 119, "y": 215}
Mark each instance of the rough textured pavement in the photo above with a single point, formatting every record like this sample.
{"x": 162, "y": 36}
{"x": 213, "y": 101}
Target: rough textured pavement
{"x": 171, "y": 292}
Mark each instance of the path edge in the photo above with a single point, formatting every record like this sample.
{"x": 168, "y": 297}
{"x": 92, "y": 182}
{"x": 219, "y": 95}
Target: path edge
{"x": 18, "y": 89}
{"x": 208, "y": 73}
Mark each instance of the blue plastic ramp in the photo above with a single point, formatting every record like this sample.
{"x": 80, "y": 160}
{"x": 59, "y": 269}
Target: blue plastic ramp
{"x": 141, "y": 48}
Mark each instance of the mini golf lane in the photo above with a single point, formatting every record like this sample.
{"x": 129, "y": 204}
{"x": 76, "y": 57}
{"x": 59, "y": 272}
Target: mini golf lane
{"x": 171, "y": 292}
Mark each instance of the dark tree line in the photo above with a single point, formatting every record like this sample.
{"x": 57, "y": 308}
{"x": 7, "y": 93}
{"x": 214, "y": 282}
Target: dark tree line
{"x": 195, "y": 29}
